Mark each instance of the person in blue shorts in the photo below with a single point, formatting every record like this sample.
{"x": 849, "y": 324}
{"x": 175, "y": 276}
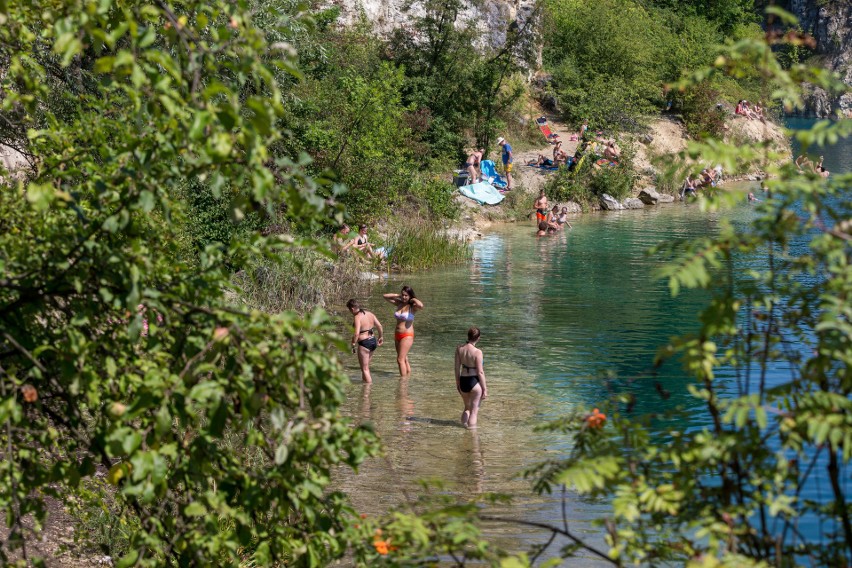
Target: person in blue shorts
{"x": 507, "y": 160}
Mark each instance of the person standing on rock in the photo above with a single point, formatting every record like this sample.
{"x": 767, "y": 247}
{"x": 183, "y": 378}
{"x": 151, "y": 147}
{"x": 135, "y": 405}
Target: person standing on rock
{"x": 508, "y": 158}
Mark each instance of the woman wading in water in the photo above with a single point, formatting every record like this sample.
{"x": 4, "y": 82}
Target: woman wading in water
{"x": 470, "y": 377}
{"x": 406, "y": 304}
{"x": 364, "y": 341}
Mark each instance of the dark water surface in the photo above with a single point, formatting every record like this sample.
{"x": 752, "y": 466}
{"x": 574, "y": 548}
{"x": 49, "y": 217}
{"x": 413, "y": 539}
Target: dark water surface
{"x": 556, "y": 314}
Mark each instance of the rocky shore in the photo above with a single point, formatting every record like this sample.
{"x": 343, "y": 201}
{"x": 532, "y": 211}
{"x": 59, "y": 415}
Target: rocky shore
{"x": 664, "y": 139}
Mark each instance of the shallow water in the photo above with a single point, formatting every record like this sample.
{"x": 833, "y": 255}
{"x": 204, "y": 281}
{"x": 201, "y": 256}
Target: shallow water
{"x": 556, "y": 314}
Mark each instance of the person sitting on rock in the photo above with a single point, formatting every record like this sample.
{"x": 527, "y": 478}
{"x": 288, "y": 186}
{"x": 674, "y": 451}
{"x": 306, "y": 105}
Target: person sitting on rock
{"x": 611, "y": 152}
{"x": 689, "y": 187}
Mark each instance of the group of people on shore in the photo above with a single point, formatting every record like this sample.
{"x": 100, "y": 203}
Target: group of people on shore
{"x": 368, "y": 335}
{"x": 709, "y": 177}
{"x": 805, "y": 165}
{"x": 549, "y": 221}
{"x": 748, "y": 110}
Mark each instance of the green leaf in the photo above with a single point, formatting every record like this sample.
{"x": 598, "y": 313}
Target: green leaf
{"x": 195, "y": 509}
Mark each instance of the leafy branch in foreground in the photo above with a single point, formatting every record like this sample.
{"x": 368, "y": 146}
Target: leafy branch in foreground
{"x": 216, "y": 428}
{"x": 741, "y": 488}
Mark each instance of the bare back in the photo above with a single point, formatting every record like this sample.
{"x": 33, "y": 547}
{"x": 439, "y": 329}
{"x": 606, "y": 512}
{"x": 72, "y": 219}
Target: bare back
{"x": 469, "y": 357}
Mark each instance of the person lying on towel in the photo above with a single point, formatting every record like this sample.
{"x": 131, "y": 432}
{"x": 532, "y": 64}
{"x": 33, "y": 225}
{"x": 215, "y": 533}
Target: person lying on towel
{"x": 542, "y": 161}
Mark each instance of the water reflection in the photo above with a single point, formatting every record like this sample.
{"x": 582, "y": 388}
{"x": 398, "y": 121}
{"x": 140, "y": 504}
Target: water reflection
{"x": 566, "y": 321}
{"x": 556, "y": 314}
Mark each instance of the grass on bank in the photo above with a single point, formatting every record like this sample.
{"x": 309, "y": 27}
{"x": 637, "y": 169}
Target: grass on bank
{"x": 423, "y": 244}
{"x": 305, "y": 279}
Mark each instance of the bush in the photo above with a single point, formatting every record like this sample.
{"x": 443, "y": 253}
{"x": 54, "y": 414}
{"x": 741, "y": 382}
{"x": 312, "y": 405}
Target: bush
{"x": 702, "y": 114}
{"x": 417, "y": 244}
{"x": 616, "y": 181}
{"x": 301, "y": 281}
{"x": 566, "y": 187}
{"x": 437, "y": 195}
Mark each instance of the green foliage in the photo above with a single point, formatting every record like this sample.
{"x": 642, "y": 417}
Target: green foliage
{"x": 565, "y": 187}
{"x": 217, "y": 428}
{"x": 300, "y": 281}
{"x": 351, "y": 120}
{"x": 611, "y": 61}
{"x": 437, "y": 195}
{"x": 587, "y": 183}
{"x": 703, "y": 117}
{"x": 467, "y": 92}
{"x": 735, "y": 491}
{"x": 603, "y": 64}
{"x": 414, "y": 244}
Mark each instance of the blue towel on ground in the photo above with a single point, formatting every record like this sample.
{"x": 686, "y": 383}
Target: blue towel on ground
{"x": 489, "y": 174}
{"x": 482, "y": 192}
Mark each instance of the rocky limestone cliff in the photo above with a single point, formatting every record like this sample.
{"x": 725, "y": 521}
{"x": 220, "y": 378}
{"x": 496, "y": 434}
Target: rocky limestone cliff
{"x": 830, "y": 23}
{"x": 493, "y": 18}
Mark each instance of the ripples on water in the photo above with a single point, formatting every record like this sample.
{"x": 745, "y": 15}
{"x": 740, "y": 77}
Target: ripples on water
{"x": 556, "y": 314}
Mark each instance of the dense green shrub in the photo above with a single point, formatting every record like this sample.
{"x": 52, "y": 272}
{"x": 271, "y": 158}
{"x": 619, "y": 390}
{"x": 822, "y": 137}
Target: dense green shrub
{"x": 216, "y": 428}
{"x": 616, "y": 181}
{"x": 565, "y": 187}
{"x": 416, "y": 244}
{"x": 437, "y": 195}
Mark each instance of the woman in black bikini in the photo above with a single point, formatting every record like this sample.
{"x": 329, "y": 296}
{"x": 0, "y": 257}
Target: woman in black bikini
{"x": 470, "y": 377}
{"x": 364, "y": 341}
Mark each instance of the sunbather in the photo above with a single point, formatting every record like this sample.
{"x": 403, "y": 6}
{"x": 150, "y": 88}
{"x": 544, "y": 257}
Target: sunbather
{"x": 611, "y": 152}
{"x": 542, "y": 161}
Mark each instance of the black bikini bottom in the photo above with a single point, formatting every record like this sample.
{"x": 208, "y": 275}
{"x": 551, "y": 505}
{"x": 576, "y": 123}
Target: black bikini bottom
{"x": 369, "y": 343}
{"x": 466, "y": 383}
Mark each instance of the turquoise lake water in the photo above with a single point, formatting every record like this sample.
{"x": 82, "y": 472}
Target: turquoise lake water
{"x": 557, "y": 314}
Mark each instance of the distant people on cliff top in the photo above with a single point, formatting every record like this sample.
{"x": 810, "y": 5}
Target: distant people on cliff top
{"x": 743, "y": 108}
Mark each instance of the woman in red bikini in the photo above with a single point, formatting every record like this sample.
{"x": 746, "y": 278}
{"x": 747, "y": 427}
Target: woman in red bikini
{"x": 406, "y": 305}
